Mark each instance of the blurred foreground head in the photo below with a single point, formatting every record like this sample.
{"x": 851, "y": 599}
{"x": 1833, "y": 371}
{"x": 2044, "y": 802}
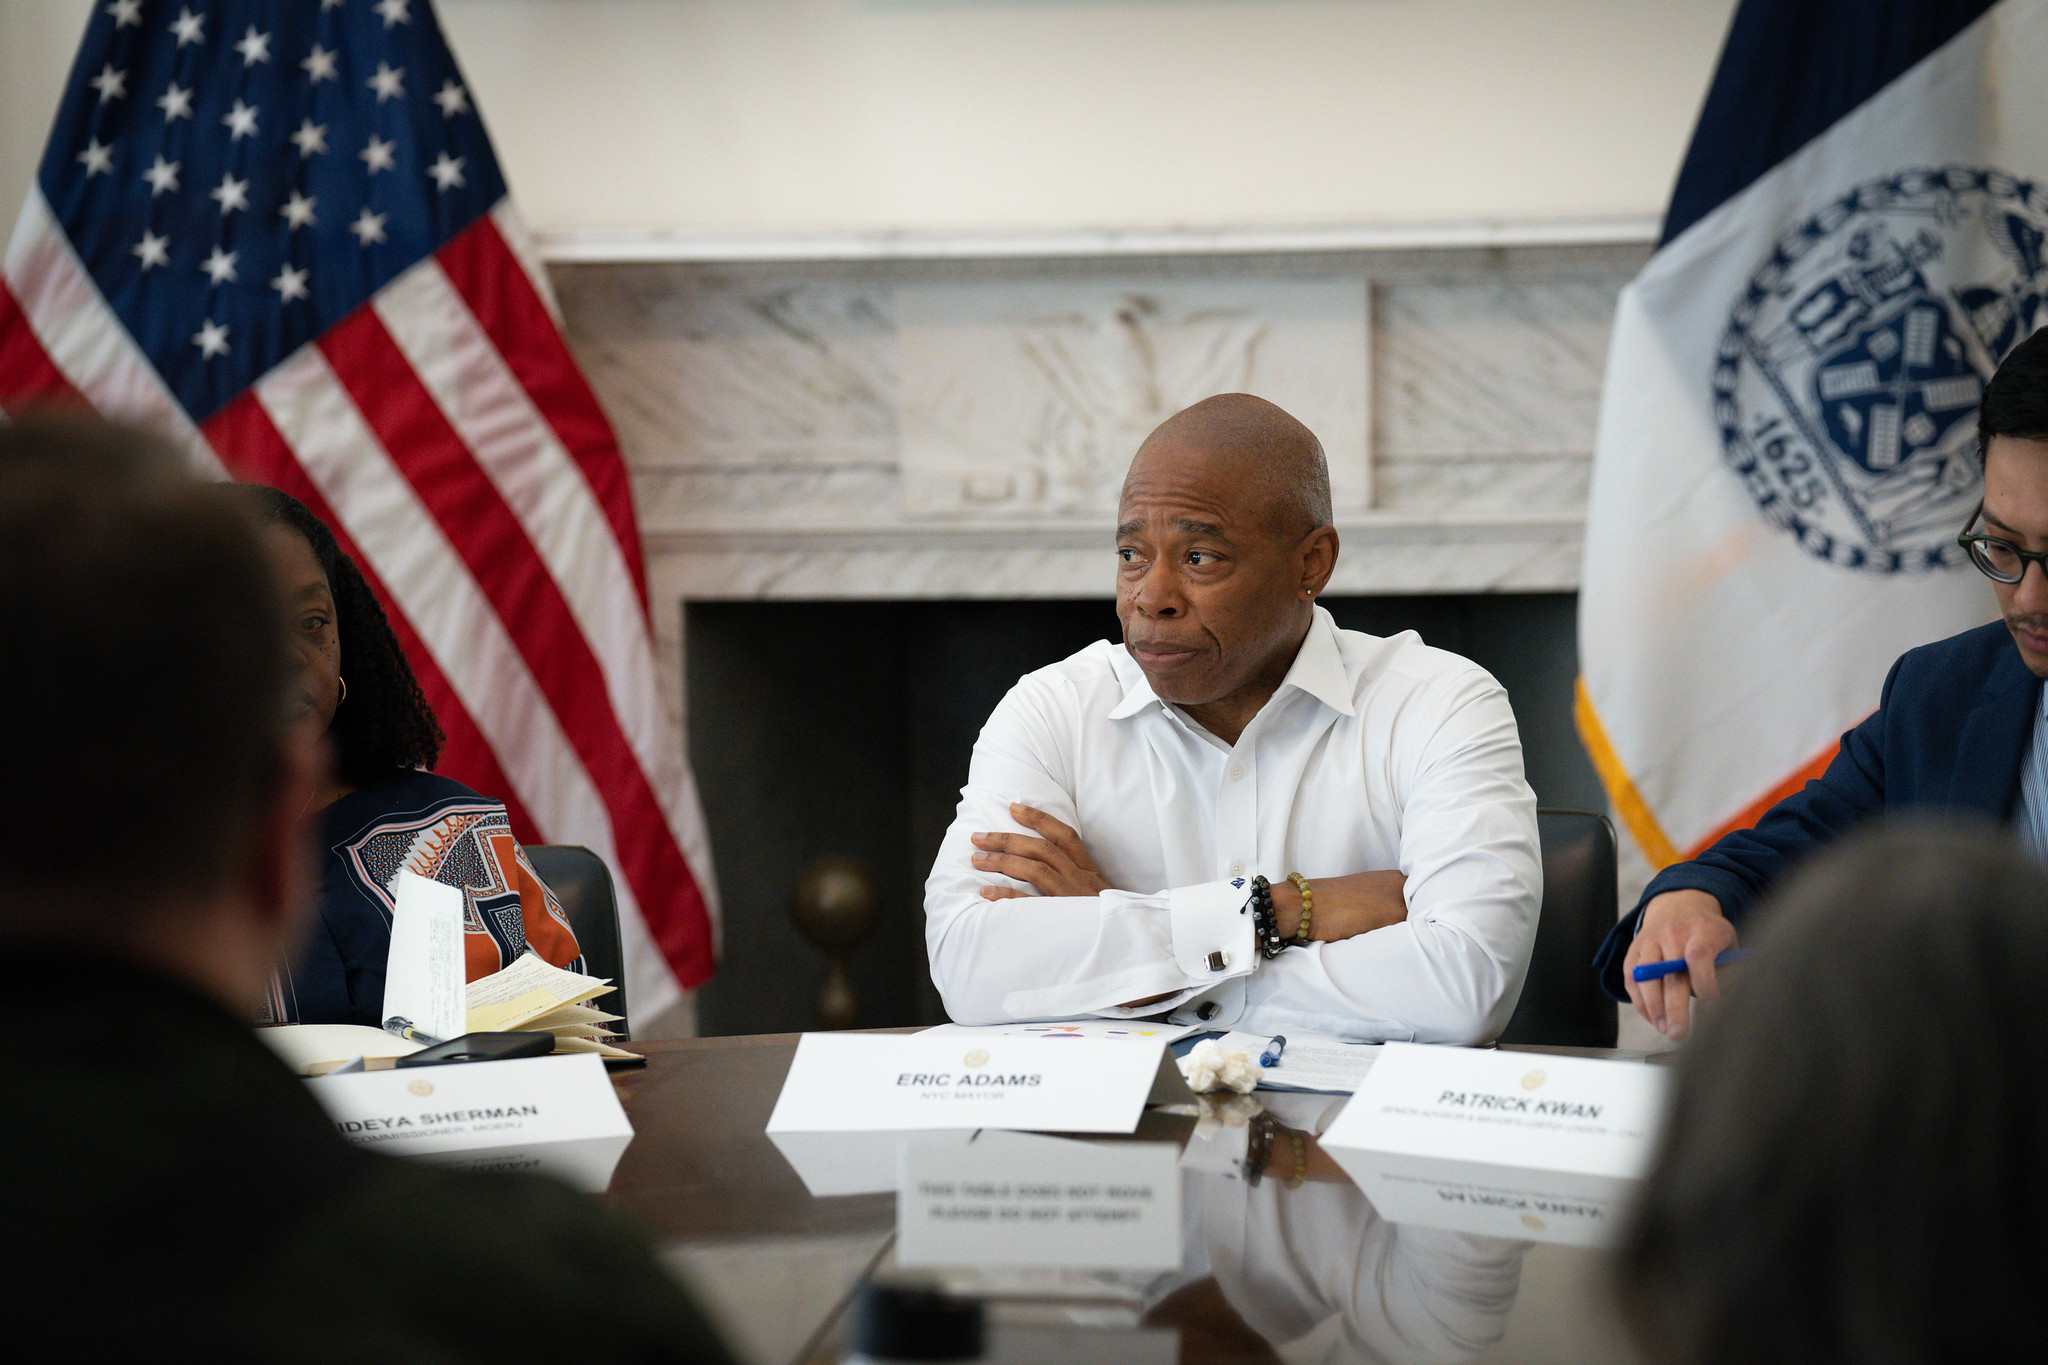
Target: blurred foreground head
{"x": 1855, "y": 1166}
{"x": 142, "y": 680}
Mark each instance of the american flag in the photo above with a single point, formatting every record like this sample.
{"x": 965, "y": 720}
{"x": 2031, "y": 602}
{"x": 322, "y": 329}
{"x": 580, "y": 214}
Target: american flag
{"x": 275, "y": 230}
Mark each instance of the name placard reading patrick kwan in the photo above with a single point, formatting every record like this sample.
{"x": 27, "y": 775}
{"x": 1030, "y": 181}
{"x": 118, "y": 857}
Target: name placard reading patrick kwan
{"x": 556, "y": 1115}
{"x": 1510, "y": 1144}
{"x": 849, "y": 1099}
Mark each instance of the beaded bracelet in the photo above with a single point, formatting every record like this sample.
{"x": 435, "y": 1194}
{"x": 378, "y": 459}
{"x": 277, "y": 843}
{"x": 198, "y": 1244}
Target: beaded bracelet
{"x": 1308, "y": 905}
{"x": 1265, "y": 923}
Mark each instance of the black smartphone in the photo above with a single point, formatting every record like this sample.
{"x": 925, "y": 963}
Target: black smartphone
{"x": 482, "y": 1047}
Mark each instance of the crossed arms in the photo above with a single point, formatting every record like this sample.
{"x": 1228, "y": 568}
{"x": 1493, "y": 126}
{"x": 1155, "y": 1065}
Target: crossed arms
{"x": 1423, "y": 858}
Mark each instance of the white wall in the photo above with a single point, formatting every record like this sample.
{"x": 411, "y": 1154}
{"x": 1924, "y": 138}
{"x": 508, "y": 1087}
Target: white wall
{"x": 766, "y": 116}
{"x": 38, "y": 39}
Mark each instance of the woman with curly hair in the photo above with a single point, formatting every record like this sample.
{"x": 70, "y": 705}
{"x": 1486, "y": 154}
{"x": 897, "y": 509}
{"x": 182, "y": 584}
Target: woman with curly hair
{"x": 383, "y": 811}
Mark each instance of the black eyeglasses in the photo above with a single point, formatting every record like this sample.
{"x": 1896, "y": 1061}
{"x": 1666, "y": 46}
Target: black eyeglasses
{"x": 2001, "y": 561}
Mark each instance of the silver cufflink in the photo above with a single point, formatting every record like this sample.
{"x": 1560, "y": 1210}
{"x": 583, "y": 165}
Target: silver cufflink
{"x": 1218, "y": 961}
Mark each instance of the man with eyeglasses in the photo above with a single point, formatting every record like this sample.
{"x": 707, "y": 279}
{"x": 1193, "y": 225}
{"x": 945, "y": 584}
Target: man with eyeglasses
{"x": 1955, "y": 728}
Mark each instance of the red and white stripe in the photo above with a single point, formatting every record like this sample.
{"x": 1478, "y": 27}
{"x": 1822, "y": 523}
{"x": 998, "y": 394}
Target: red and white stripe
{"x": 445, "y": 434}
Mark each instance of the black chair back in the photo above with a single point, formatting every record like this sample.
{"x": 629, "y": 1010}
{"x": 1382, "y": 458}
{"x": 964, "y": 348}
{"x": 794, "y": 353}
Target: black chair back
{"x": 1561, "y": 1004}
{"x": 583, "y": 884}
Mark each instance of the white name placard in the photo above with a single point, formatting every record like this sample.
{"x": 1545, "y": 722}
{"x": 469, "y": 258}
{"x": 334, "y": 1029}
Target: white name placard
{"x": 557, "y": 1115}
{"x": 1026, "y": 1200}
{"x": 1509, "y": 1144}
{"x": 849, "y": 1099}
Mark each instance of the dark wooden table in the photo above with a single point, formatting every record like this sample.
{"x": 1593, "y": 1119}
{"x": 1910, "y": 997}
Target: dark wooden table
{"x": 772, "y": 1264}
{"x": 701, "y": 1166}
{"x": 776, "y": 1267}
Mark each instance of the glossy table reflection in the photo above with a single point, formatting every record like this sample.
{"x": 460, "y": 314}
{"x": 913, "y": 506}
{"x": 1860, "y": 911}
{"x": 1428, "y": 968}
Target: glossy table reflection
{"x": 1308, "y": 1274}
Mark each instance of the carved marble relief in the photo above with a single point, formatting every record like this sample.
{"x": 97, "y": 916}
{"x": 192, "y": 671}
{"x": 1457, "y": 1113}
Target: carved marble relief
{"x": 1028, "y": 398}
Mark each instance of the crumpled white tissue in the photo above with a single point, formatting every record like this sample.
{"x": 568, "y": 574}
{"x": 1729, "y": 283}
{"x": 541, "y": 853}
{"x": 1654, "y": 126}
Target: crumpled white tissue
{"x": 1209, "y": 1067}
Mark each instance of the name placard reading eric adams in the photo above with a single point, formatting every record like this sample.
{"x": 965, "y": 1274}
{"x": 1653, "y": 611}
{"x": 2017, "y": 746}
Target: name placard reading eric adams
{"x": 850, "y": 1099}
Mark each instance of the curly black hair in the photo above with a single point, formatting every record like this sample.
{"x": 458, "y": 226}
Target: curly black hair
{"x": 385, "y": 725}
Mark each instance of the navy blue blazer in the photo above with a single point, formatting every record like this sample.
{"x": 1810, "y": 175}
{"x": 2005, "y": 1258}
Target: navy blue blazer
{"x": 1949, "y": 732}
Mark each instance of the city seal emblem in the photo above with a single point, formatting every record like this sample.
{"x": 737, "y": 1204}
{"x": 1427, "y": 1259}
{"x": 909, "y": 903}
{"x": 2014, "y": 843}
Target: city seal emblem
{"x": 1846, "y": 384}
{"x": 976, "y": 1057}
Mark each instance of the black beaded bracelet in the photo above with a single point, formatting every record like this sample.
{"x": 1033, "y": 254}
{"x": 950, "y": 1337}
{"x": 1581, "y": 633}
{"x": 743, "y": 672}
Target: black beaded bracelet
{"x": 1265, "y": 922}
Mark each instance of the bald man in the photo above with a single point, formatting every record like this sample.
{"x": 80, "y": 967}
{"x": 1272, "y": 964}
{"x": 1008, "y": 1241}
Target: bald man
{"x": 1121, "y": 803}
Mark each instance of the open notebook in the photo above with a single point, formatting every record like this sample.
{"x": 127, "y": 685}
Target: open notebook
{"x": 529, "y": 996}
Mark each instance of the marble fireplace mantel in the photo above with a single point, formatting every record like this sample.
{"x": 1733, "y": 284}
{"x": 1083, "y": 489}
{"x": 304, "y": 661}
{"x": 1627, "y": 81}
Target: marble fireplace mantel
{"x": 1392, "y": 553}
{"x": 865, "y": 425}
{"x": 610, "y": 246}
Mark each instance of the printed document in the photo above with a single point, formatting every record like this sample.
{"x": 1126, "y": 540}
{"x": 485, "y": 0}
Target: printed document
{"x": 1308, "y": 1062}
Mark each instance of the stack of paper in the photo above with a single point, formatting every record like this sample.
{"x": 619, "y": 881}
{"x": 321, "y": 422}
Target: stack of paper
{"x": 531, "y": 995}
{"x": 1136, "y": 1030}
{"x": 1308, "y": 1061}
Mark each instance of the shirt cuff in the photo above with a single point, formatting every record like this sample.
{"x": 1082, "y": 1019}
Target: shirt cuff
{"x": 1212, "y": 931}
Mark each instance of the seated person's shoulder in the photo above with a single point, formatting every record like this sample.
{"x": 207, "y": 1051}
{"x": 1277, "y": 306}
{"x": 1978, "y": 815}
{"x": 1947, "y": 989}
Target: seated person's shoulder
{"x": 412, "y": 786}
{"x": 408, "y": 801}
{"x": 1092, "y": 678}
{"x": 407, "y": 796}
{"x": 1404, "y": 664}
{"x": 1961, "y": 662}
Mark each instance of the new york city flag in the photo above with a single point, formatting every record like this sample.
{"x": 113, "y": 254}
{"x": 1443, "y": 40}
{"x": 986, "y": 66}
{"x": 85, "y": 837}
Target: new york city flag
{"x": 1787, "y": 433}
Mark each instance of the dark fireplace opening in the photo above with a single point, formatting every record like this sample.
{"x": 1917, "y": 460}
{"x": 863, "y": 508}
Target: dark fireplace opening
{"x": 844, "y": 728}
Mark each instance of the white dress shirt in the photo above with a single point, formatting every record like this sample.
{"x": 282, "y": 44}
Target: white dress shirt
{"x": 1373, "y": 754}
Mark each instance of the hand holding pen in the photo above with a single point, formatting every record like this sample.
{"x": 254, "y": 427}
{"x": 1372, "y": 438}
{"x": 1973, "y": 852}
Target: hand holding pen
{"x": 1685, "y": 926}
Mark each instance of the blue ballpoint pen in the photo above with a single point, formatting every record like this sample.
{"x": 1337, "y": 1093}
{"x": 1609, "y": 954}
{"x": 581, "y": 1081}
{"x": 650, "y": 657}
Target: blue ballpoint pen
{"x": 1651, "y": 971}
{"x": 1271, "y": 1056}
